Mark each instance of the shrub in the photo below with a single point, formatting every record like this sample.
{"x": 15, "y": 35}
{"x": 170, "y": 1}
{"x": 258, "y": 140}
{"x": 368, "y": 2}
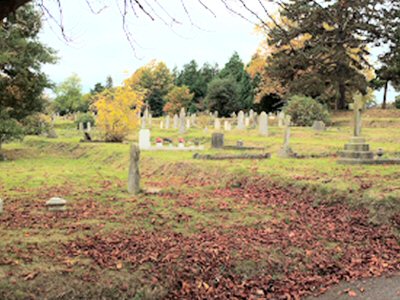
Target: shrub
{"x": 10, "y": 129}
{"x": 85, "y": 118}
{"x": 36, "y": 124}
{"x": 305, "y": 110}
{"x": 397, "y": 102}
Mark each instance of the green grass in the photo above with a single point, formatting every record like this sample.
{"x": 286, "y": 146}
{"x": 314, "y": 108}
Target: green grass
{"x": 96, "y": 173}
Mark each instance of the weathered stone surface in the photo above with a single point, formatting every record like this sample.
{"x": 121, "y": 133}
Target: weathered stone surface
{"x": 263, "y": 124}
{"x": 176, "y": 121}
{"x": 182, "y": 121}
{"x": 134, "y": 173}
{"x": 167, "y": 122}
{"x": 217, "y": 140}
{"x": 144, "y": 139}
{"x": 319, "y": 126}
{"x": 241, "y": 125}
{"x": 1, "y": 206}
{"x": 56, "y": 204}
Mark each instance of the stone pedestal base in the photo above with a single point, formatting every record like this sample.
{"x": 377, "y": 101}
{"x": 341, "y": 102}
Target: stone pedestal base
{"x": 286, "y": 152}
{"x": 357, "y": 151}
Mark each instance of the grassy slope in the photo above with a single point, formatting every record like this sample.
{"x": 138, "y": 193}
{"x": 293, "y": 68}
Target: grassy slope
{"x": 95, "y": 174}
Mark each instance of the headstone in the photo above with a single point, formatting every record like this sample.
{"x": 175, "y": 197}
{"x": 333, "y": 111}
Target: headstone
{"x": 188, "y": 125}
{"x": 167, "y": 122}
{"x": 56, "y": 204}
{"x": 1, "y": 206}
{"x": 217, "y": 124}
{"x": 193, "y": 119}
{"x": 263, "y": 124}
{"x": 144, "y": 139}
{"x": 161, "y": 124}
{"x": 319, "y": 126}
{"x": 286, "y": 151}
{"x": 88, "y": 126}
{"x": 217, "y": 140}
{"x": 176, "y": 121}
{"x": 247, "y": 122}
{"x": 80, "y": 126}
{"x": 182, "y": 121}
{"x": 281, "y": 119}
{"x": 241, "y": 125}
{"x": 251, "y": 114}
{"x": 134, "y": 173}
{"x": 215, "y": 114}
{"x": 227, "y": 126}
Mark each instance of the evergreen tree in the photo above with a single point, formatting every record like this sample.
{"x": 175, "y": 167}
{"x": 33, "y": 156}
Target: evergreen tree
{"x": 223, "y": 96}
{"x": 322, "y": 51}
{"x": 21, "y": 56}
{"x": 235, "y": 69}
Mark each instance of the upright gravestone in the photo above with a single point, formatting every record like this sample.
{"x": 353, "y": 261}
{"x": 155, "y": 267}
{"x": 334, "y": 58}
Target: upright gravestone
{"x": 80, "y": 126}
{"x": 247, "y": 122}
{"x": 182, "y": 121}
{"x": 217, "y": 124}
{"x": 161, "y": 124}
{"x": 1, "y": 206}
{"x": 167, "y": 122}
{"x": 319, "y": 126}
{"x": 193, "y": 119}
{"x": 176, "y": 121}
{"x": 241, "y": 125}
{"x": 134, "y": 173}
{"x": 188, "y": 125}
{"x": 227, "y": 126}
{"x": 263, "y": 124}
{"x": 281, "y": 119}
{"x": 217, "y": 140}
{"x": 286, "y": 151}
{"x": 144, "y": 139}
{"x": 88, "y": 126}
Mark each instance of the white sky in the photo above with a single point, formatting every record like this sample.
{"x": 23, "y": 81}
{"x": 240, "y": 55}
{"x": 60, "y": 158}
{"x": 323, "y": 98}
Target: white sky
{"x": 100, "y": 48}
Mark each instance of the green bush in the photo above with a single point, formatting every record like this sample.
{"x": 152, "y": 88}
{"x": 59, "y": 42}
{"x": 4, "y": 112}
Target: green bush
{"x": 397, "y": 102}
{"x": 10, "y": 129}
{"x": 85, "y": 118}
{"x": 305, "y": 110}
{"x": 36, "y": 124}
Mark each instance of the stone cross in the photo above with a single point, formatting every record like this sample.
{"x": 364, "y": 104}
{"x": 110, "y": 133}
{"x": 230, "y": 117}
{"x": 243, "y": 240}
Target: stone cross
{"x": 134, "y": 173}
{"x": 182, "y": 121}
{"x": 263, "y": 124}
{"x": 358, "y": 108}
{"x": 241, "y": 125}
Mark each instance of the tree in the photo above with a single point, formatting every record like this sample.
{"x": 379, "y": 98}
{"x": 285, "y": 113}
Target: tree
{"x": 21, "y": 57}
{"x": 117, "y": 111}
{"x": 69, "y": 97}
{"x": 156, "y": 80}
{"x": 177, "y": 98}
{"x": 329, "y": 64}
{"x": 234, "y": 69}
{"x": 223, "y": 96}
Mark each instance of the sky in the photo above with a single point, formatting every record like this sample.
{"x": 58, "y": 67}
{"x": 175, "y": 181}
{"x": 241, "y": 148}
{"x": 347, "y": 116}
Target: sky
{"x": 96, "y": 44}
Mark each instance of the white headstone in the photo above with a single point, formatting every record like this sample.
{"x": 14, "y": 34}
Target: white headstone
{"x": 161, "y": 124}
{"x": 263, "y": 124}
{"x": 240, "y": 118}
{"x": 281, "y": 119}
{"x": 176, "y": 121}
{"x": 80, "y": 126}
{"x": 144, "y": 139}
{"x": 217, "y": 124}
{"x": 247, "y": 122}
{"x": 227, "y": 126}
{"x": 182, "y": 121}
{"x": 167, "y": 122}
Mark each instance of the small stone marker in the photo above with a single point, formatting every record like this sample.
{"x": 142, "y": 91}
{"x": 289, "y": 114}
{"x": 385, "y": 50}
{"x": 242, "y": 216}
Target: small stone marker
{"x": 56, "y": 204}
{"x": 80, "y": 126}
{"x": 217, "y": 140}
{"x": 134, "y": 173}
{"x": 240, "y": 124}
{"x": 227, "y": 126}
{"x": 167, "y": 122}
{"x": 88, "y": 126}
{"x": 263, "y": 124}
{"x": 144, "y": 139}
{"x": 319, "y": 126}
{"x": 1, "y": 206}
{"x": 52, "y": 134}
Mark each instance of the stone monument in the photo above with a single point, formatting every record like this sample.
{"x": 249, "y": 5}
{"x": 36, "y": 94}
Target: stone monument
{"x": 286, "y": 151}
{"x": 134, "y": 173}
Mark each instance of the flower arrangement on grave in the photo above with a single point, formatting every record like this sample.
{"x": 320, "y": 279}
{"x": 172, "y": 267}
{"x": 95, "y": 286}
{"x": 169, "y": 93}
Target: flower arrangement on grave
{"x": 181, "y": 142}
{"x": 159, "y": 142}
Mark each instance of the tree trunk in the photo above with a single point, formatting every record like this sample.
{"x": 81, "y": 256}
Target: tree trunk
{"x": 341, "y": 104}
{"x": 385, "y": 94}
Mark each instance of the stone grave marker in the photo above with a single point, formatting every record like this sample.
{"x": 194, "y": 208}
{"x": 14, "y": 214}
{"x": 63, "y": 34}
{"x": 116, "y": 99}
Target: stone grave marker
{"x": 182, "y": 121}
{"x": 176, "y": 121}
{"x": 286, "y": 151}
{"x": 144, "y": 139}
{"x": 167, "y": 122}
{"x": 217, "y": 140}
{"x": 56, "y": 204}
{"x": 134, "y": 173}
{"x": 217, "y": 124}
{"x": 241, "y": 125}
{"x": 1, "y": 206}
{"x": 263, "y": 124}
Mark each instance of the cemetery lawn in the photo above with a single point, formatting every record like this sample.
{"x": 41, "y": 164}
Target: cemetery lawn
{"x": 270, "y": 229}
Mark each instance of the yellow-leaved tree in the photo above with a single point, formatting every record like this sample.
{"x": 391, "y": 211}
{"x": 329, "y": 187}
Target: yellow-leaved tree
{"x": 117, "y": 111}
